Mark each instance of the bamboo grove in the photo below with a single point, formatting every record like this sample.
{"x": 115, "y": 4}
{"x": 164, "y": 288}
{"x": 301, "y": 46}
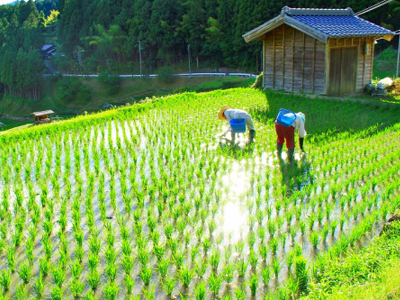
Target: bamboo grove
{"x": 142, "y": 202}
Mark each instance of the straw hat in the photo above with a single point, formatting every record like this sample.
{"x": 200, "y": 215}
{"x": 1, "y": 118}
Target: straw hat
{"x": 221, "y": 112}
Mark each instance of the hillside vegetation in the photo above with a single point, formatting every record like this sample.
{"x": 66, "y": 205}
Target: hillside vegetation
{"x": 140, "y": 37}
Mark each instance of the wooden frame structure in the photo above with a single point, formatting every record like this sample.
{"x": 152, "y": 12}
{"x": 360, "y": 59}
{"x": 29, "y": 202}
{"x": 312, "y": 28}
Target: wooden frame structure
{"x": 41, "y": 117}
{"x": 298, "y": 57}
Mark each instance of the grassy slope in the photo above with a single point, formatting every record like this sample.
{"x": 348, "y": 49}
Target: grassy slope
{"x": 131, "y": 90}
{"x": 371, "y": 273}
{"x": 385, "y": 63}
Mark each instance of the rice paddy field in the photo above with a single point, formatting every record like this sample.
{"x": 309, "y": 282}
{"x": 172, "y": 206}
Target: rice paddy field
{"x": 143, "y": 202}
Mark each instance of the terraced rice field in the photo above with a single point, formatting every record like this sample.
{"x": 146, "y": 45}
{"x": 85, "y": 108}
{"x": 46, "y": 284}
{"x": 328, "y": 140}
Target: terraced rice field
{"x": 143, "y": 202}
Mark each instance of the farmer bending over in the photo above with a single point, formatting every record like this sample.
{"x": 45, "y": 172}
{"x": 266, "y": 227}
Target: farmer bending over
{"x": 228, "y": 113}
{"x": 286, "y": 132}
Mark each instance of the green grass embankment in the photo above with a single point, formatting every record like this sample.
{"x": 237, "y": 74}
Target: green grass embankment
{"x": 371, "y": 273}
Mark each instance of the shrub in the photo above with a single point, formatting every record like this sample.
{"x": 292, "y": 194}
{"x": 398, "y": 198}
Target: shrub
{"x": 71, "y": 90}
{"x": 111, "y": 81}
{"x": 166, "y": 74}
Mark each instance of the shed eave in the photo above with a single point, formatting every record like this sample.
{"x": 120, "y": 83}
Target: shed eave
{"x": 388, "y": 37}
{"x": 318, "y": 35}
{"x": 263, "y": 29}
{"x": 280, "y": 20}
{"x": 42, "y": 113}
{"x": 375, "y": 36}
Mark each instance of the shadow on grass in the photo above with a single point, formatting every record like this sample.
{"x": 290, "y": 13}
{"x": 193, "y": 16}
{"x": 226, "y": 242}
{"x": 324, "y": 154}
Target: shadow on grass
{"x": 327, "y": 118}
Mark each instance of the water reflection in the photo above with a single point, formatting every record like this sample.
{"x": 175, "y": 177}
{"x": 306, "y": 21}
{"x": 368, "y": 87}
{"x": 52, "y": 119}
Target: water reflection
{"x": 234, "y": 220}
{"x": 236, "y": 181}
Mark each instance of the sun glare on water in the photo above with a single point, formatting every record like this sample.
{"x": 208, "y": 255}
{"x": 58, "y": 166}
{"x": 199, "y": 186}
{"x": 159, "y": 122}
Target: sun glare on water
{"x": 237, "y": 181}
{"x": 233, "y": 220}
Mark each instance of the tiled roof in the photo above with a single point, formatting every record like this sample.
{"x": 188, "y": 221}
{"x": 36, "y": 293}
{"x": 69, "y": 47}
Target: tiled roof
{"x": 322, "y": 24}
{"x": 341, "y": 26}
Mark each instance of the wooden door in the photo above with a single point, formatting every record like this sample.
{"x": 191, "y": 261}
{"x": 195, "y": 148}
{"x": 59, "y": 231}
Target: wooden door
{"x": 342, "y": 71}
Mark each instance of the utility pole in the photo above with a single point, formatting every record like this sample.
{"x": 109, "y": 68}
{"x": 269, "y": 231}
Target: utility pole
{"x": 140, "y": 59}
{"x": 80, "y": 59}
{"x": 398, "y": 57}
{"x": 190, "y": 71}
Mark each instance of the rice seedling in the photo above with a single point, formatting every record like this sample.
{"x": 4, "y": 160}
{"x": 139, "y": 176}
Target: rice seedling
{"x": 76, "y": 268}
{"x": 93, "y": 261}
{"x": 342, "y": 220}
{"x": 274, "y": 244}
{"x": 38, "y": 287}
{"x": 111, "y": 272}
{"x": 291, "y": 288}
{"x": 168, "y": 230}
{"x": 21, "y": 292}
{"x": 76, "y": 287}
{"x": 163, "y": 267}
{"x": 186, "y": 275}
{"x": 5, "y": 279}
{"x": 253, "y": 284}
{"x": 145, "y": 274}
{"x": 11, "y": 258}
{"x": 206, "y": 244}
{"x": 325, "y": 232}
{"x": 241, "y": 266}
{"x": 149, "y": 293}
{"x": 271, "y": 227}
{"x": 25, "y": 272}
{"x": 93, "y": 279}
{"x": 301, "y": 273}
{"x": 314, "y": 239}
{"x": 252, "y": 239}
{"x": 110, "y": 255}
{"x": 59, "y": 276}
{"x": 94, "y": 244}
{"x": 201, "y": 267}
{"x": 29, "y": 251}
{"x": 276, "y": 267}
{"x": 79, "y": 252}
{"x": 240, "y": 293}
{"x": 253, "y": 259}
{"x": 311, "y": 220}
{"x": 200, "y": 291}
{"x": 110, "y": 290}
{"x": 214, "y": 283}
{"x": 214, "y": 259}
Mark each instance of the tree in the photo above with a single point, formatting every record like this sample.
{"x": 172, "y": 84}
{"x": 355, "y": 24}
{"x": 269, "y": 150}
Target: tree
{"x": 211, "y": 46}
{"x": 163, "y": 24}
{"x": 193, "y": 25}
{"x": 26, "y": 9}
{"x": 108, "y": 42}
{"x": 71, "y": 23}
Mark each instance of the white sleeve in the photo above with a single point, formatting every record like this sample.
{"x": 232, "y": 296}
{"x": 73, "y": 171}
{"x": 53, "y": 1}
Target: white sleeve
{"x": 301, "y": 128}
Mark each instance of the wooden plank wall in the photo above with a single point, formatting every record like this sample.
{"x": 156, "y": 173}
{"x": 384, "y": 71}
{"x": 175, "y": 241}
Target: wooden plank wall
{"x": 365, "y": 57}
{"x": 293, "y": 61}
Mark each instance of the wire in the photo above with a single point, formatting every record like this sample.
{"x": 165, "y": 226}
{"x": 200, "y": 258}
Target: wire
{"x": 373, "y": 7}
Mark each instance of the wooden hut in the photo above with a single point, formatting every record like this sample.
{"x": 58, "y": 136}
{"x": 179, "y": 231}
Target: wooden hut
{"x": 321, "y": 51}
{"x": 41, "y": 117}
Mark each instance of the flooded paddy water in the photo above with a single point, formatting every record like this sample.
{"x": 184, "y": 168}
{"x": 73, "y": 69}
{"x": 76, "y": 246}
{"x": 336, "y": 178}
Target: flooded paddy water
{"x": 154, "y": 207}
